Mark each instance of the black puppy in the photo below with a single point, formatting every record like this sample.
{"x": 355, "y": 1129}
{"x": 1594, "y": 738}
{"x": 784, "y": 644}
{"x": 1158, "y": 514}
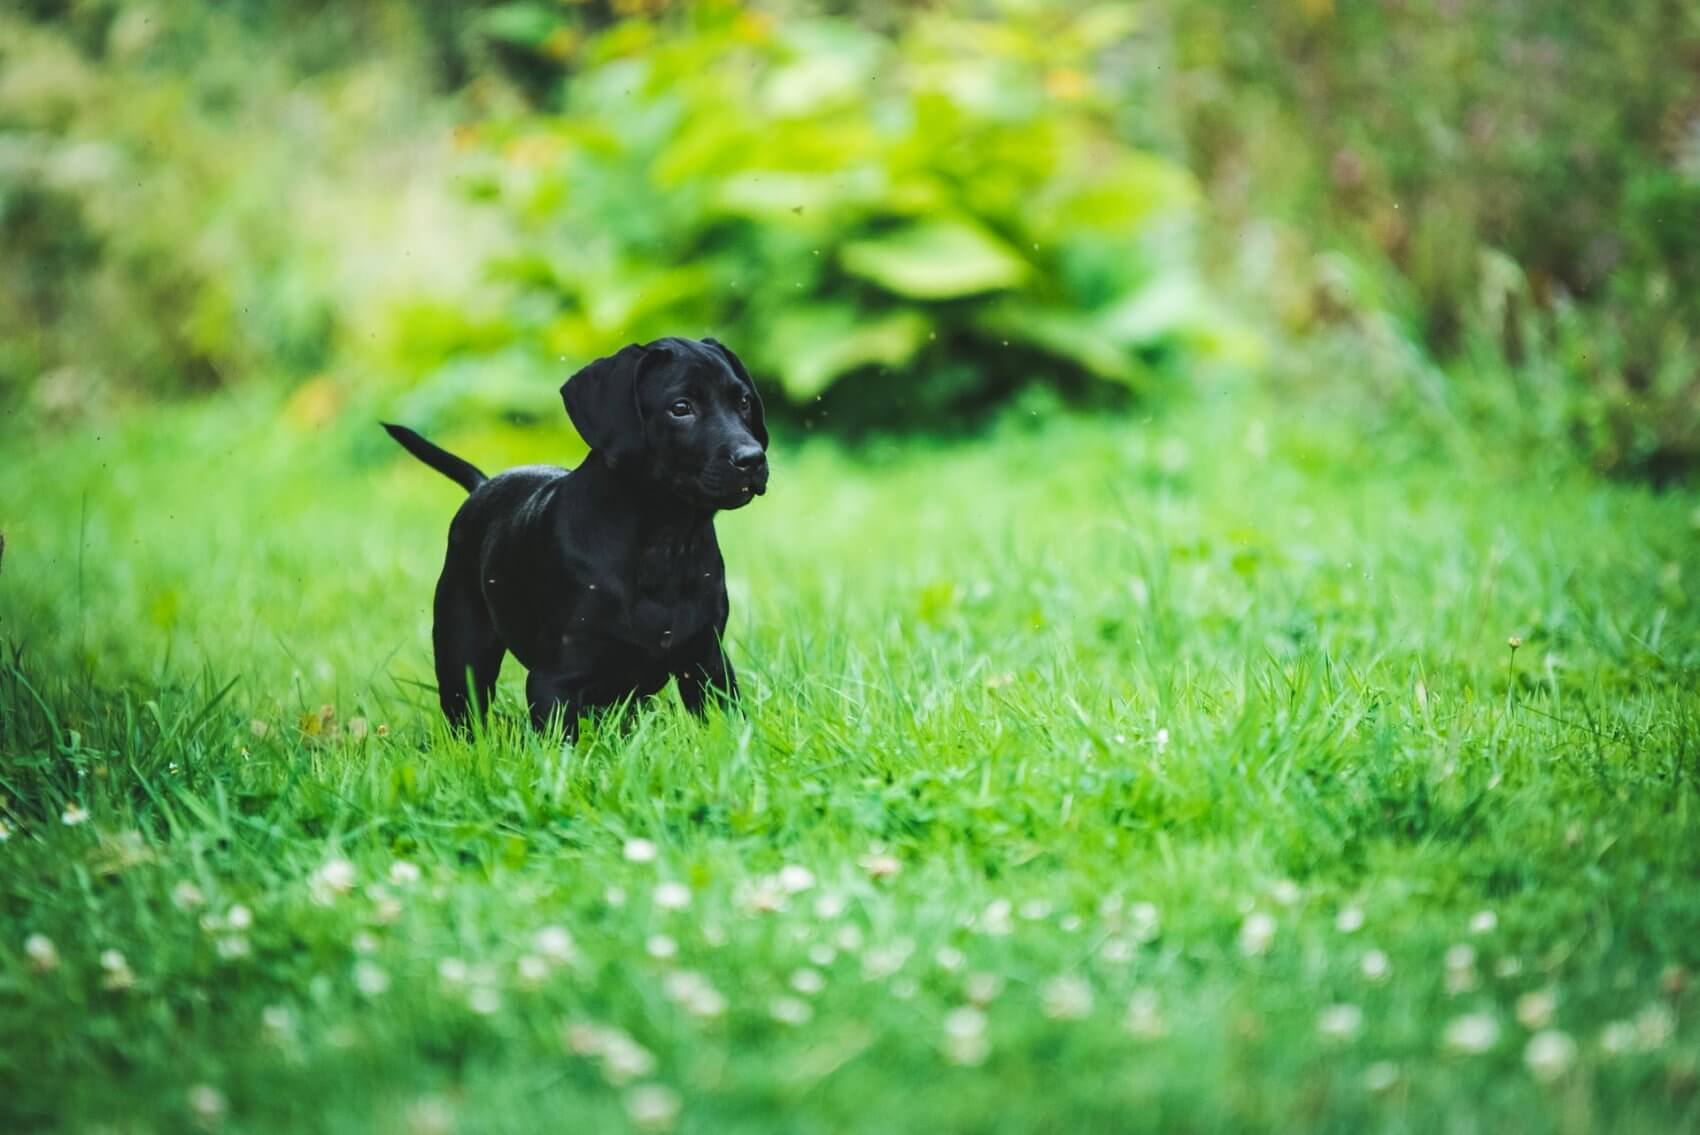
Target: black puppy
{"x": 607, "y": 580}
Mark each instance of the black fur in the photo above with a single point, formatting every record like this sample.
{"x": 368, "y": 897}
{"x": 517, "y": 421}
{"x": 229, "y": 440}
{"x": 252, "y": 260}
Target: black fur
{"x": 604, "y": 581}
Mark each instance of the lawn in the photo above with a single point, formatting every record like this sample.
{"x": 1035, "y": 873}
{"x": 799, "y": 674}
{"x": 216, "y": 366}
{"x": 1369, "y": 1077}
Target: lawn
{"x": 1247, "y": 765}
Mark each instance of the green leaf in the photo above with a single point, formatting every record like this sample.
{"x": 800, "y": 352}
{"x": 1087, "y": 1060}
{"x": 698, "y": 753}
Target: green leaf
{"x": 1079, "y": 337}
{"x": 936, "y": 260}
{"x": 523, "y": 25}
{"x": 813, "y": 346}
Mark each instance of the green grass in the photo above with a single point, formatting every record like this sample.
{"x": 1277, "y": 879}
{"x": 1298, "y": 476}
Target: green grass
{"x": 1246, "y": 659}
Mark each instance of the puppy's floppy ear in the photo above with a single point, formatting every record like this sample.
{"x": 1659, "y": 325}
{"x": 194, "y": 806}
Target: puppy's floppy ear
{"x": 758, "y": 417}
{"x": 602, "y": 402}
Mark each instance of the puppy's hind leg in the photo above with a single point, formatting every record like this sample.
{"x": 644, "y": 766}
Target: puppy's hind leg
{"x": 468, "y": 650}
{"x": 551, "y": 697}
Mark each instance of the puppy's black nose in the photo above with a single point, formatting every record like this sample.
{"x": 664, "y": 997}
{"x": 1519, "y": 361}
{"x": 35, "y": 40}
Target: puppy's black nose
{"x": 747, "y": 457}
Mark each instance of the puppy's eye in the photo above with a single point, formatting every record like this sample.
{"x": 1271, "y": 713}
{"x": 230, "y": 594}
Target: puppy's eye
{"x": 681, "y": 409}
{"x": 744, "y": 404}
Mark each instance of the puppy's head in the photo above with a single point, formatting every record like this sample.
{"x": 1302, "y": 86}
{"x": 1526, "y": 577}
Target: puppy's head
{"x": 680, "y": 412}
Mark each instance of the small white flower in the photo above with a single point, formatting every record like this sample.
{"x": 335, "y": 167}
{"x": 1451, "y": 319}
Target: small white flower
{"x": 848, "y": 939}
{"x": 795, "y": 879}
{"x": 822, "y": 955}
{"x": 41, "y": 952}
{"x": 1381, "y": 1077}
{"x": 1143, "y": 921}
{"x": 118, "y": 972}
{"x": 1534, "y": 1010}
{"x": 1460, "y": 969}
{"x": 761, "y": 896}
{"x": 1484, "y": 922}
{"x": 231, "y": 947}
{"x": 982, "y": 988}
{"x": 808, "y": 982}
{"x": 1508, "y": 967}
{"x": 1340, "y": 1022}
{"x": 554, "y": 943}
{"x": 1257, "y": 933}
{"x": 1162, "y": 739}
{"x": 614, "y": 896}
{"x": 1376, "y": 966}
{"x": 186, "y": 896}
{"x": 965, "y": 1036}
{"x": 1144, "y": 1017}
{"x": 365, "y": 943}
{"x": 1066, "y": 998}
{"x": 403, "y": 873}
{"x": 879, "y": 865}
{"x": 1350, "y": 919}
{"x": 1617, "y": 1038}
{"x": 5, "y": 831}
{"x": 1286, "y": 892}
{"x": 624, "y": 1059}
{"x": 239, "y": 917}
{"x": 430, "y": 1115}
{"x": 484, "y": 1000}
{"x": 996, "y": 918}
{"x": 640, "y": 851}
{"x": 672, "y": 896}
{"x": 1472, "y": 1034}
{"x": 73, "y": 815}
{"x": 453, "y": 971}
{"x": 1653, "y": 1027}
{"x": 1035, "y": 910}
{"x": 790, "y": 1010}
{"x": 830, "y": 905}
{"x": 370, "y": 978}
{"x": 531, "y": 970}
{"x": 335, "y": 878}
{"x": 883, "y": 961}
{"x": 386, "y": 908}
{"x": 652, "y": 1107}
{"x": 661, "y": 947}
{"x": 1119, "y": 951}
{"x": 1549, "y": 1055}
{"x": 278, "y": 1021}
{"x": 258, "y": 728}
{"x": 949, "y": 958}
{"x": 207, "y": 1105}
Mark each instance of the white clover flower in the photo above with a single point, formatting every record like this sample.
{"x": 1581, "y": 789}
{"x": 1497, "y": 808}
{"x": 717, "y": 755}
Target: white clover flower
{"x": 1035, "y": 910}
{"x": 830, "y": 905}
{"x": 1350, "y": 919}
{"x": 883, "y": 961}
{"x": 982, "y": 988}
{"x": 1376, "y": 966}
{"x": 672, "y": 896}
{"x": 1118, "y": 951}
{"x": 73, "y": 815}
{"x": 790, "y": 1010}
{"x": 1340, "y": 1022}
{"x": 995, "y": 920}
{"x": 1549, "y": 1055}
{"x": 661, "y": 947}
{"x": 1143, "y": 921}
{"x": 531, "y": 970}
{"x": 652, "y": 1107}
{"x": 1144, "y": 1017}
{"x": 41, "y": 952}
{"x": 554, "y": 943}
{"x": 848, "y": 939}
{"x": 403, "y": 873}
{"x": 1381, "y": 1077}
{"x": 1654, "y": 1026}
{"x": 1472, "y": 1034}
{"x": 1162, "y": 739}
{"x": 118, "y": 972}
{"x": 430, "y": 1115}
{"x": 1508, "y": 967}
{"x": 332, "y": 880}
{"x": 795, "y": 879}
{"x": 965, "y": 1036}
{"x": 807, "y": 981}
{"x": 453, "y": 971}
{"x": 278, "y": 1021}
{"x": 239, "y": 917}
{"x": 364, "y": 943}
{"x": 484, "y": 1000}
{"x": 1065, "y": 998}
{"x": 624, "y": 1059}
{"x": 1286, "y": 892}
{"x": 880, "y": 865}
{"x": 761, "y": 896}
{"x": 949, "y": 958}
{"x": 640, "y": 851}
{"x": 1484, "y": 922}
{"x": 207, "y": 1104}
{"x": 822, "y": 955}
{"x": 370, "y": 978}
{"x": 231, "y": 947}
{"x": 1257, "y": 934}
{"x": 1617, "y": 1038}
{"x": 1535, "y": 1009}
{"x": 186, "y": 896}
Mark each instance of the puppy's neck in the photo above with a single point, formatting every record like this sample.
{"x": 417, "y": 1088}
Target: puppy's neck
{"x": 643, "y": 506}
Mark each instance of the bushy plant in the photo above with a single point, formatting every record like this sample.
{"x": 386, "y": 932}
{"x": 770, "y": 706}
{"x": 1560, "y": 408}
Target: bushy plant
{"x": 898, "y": 228}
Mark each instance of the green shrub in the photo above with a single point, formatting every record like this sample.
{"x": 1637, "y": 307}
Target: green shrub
{"x": 902, "y": 228}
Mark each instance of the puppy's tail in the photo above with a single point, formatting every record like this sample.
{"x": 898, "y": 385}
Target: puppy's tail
{"x": 463, "y": 473}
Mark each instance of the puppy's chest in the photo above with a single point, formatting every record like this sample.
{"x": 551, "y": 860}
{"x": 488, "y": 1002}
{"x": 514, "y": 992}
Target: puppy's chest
{"x": 664, "y": 598}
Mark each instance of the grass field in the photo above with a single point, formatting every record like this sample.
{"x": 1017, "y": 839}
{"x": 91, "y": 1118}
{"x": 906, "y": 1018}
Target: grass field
{"x": 1167, "y": 774}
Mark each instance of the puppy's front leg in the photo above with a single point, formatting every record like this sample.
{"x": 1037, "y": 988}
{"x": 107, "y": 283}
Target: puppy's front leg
{"x": 549, "y": 696}
{"x": 708, "y": 672}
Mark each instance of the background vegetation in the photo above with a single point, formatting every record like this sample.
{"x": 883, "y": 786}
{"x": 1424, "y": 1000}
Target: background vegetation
{"x": 1220, "y": 649}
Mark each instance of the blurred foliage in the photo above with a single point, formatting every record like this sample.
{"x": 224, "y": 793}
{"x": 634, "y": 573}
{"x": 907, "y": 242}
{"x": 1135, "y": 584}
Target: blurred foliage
{"x": 1491, "y": 211}
{"x": 1523, "y": 180}
{"x": 904, "y": 228}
